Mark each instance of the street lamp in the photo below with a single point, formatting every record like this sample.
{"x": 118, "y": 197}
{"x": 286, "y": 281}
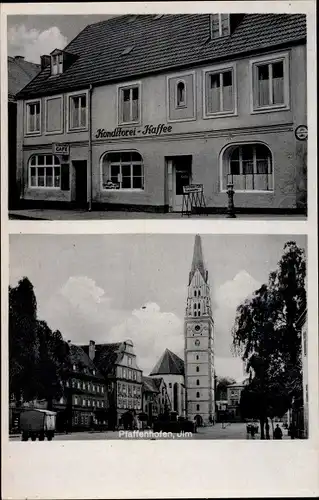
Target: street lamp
{"x": 230, "y": 193}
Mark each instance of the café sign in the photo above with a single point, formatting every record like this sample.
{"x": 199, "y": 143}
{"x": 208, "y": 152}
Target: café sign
{"x": 193, "y": 188}
{"x": 147, "y": 130}
{"x": 61, "y": 149}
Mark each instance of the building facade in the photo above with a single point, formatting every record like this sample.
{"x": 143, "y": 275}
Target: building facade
{"x": 199, "y": 343}
{"x": 117, "y": 363}
{"x": 20, "y": 72}
{"x": 155, "y": 398}
{"x": 137, "y": 107}
{"x": 170, "y": 368}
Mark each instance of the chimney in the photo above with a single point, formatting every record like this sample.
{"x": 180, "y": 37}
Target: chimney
{"x": 45, "y": 61}
{"x": 19, "y": 58}
{"x": 92, "y": 350}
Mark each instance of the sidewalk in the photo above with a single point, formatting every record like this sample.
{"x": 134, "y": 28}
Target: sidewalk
{"x": 51, "y": 214}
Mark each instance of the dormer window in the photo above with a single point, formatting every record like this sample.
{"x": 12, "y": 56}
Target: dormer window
{"x": 219, "y": 25}
{"x": 57, "y": 64}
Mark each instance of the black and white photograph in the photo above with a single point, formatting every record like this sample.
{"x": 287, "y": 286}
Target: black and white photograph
{"x": 194, "y": 342}
{"x": 157, "y": 116}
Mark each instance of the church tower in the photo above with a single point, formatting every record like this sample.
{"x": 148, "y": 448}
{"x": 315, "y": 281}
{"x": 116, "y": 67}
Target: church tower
{"x": 199, "y": 342}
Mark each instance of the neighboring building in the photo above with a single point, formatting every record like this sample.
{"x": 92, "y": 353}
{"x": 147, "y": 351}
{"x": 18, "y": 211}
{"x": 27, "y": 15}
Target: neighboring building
{"x": 20, "y": 73}
{"x": 155, "y": 398}
{"x": 85, "y": 394}
{"x": 170, "y": 368}
{"x": 233, "y": 398}
{"x": 136, "y": 107}
{"x": 117, "y": 363}
{"x": 199, "y": 343}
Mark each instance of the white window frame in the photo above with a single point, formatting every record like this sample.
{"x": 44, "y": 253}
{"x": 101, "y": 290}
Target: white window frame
{"x": 36, "y": 166}
{"x": 119, "y": 89}
{"x": 26, "y": 113}
{"x": 223, "y": 68}
{"x": 269, "y": 59}
{"x": 69, "y": 96}
{"x": 184, "y": 103}
{"x": 46, "y": 99}
{"x": 59, "y": 64}
{"x": 180, "y": 78}
{"x": 219, "y": 25}
{"x": 223, "y": 189}
{"x": 122, "y": 190}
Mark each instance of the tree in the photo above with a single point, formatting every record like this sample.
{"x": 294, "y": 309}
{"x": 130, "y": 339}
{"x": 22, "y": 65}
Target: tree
{"x": 23, "y": 346}
{"x": 38, "y": 358}
{"x": 266, "y": 336}
{"x": 221, "y": 387}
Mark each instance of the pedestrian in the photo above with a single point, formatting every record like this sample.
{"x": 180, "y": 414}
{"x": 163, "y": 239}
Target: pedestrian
{"x": 277, "y": 432}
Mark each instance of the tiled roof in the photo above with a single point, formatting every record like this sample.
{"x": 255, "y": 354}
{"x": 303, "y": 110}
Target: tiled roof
{"x": 106, "y": 355}
{"x": 149, "y": 384}
{"x": 20, "y": 73}
{"x": 169, "y": 364}
{"x": 171, "y": 42}
{"x": 80, "y": 357}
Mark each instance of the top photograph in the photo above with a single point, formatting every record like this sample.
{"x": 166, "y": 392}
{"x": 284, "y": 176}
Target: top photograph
{"x": 157, "y": 116}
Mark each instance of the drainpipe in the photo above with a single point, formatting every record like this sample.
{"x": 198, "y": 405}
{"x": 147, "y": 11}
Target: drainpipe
{"x": 90, "y": 150}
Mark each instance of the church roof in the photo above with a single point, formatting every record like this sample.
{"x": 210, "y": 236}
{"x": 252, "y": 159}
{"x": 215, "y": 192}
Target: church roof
{"x": 198, "y": 259}
{"x": 168, "y": 364}
{"x": 151, "y": 384}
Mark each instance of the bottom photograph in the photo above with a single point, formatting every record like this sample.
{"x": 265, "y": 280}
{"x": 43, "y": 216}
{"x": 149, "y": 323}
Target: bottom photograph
{"x": 157, "y": 336}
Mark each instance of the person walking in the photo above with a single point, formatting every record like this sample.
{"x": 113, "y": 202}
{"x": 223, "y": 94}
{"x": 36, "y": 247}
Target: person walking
{"x": 277, "y": 432}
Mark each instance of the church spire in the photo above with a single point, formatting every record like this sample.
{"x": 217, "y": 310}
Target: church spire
{"x": 198, "y": 260}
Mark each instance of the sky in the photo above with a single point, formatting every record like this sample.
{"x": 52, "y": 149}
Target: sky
{"x": 33, "y": 36}
{"x": 109, "y": 288}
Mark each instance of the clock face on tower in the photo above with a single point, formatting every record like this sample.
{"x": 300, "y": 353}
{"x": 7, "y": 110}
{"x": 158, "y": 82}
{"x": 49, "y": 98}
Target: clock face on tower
{"x": 197, "y": 328}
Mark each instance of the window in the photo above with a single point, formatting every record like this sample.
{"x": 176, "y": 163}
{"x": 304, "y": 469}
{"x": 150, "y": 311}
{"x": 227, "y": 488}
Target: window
{"x": 98, "y": 404}
{"x": 123, "y": 170}
{"x": 250, "y": 168}
{"x": 195, "y": 293}
{"x": 97, "y": 388}
{"x": 129, "y": 361}
{"x": 197, "y": 407}
{"x": 197, "y": 382}
{"x": 124, "y": 373}
{"x": 33, "y": 117}
{"x": 102, "y": 389}
{"x": 67, "y": 383}
{"x": 74, "y": 368}
{"x": 197, "y": 368}
{"x": 57, "y": 64}
{"x": 134, "y": 375}
{"x": 219, "y": 25}
{"x": 77, "y": 112}
{"x": 219, "y": 92}
{"x": 197, "y": 357}
{"x": 89, "y": 402}
{"x": 75, "y": 400}
{"x": 129, "y": 104}
{"x": 84, "y": 402}
{"x": 270, "y": 83}
{"x": 78, "y": 385}
{"x": 180, "y": 94}
{"x": 197, "y": 394}
{"x": 45, "y": 172}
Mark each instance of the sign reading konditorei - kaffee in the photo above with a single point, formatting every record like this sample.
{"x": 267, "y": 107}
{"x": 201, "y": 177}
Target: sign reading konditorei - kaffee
{"x": 147, "y": 130}
{"x": 61, "y": 149}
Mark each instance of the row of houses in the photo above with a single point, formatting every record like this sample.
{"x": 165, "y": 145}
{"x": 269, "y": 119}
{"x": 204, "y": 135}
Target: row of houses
{"x": 137, "y": 107}
{"x": 105, "y": 388}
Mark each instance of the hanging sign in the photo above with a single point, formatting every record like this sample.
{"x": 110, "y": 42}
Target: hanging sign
{"x": 301, "y": 133}
{"x": 61, "y": 149}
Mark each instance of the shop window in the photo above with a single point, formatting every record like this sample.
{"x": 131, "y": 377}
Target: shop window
{"x": 77, "y": 119}
{"x": 33, "y": 117}
{"x": 57, "y": 64}
{"x": 45, "y": 172}
{"x": 219, "y": 92}
{"x": 248, "y": 167}
{"x": 123, "y": 170}
{"x": 270, "y": 83}
{"x": 129, "y": 104}
{"x": 180, "y": 94}
{"x": 219, "y": 25}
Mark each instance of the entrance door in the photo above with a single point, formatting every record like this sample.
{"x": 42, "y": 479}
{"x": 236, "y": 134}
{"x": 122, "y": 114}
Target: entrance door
{"x": 80, "y": 183}
{"x": 181, "y": 167}
{"x": 199, "y": 421}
